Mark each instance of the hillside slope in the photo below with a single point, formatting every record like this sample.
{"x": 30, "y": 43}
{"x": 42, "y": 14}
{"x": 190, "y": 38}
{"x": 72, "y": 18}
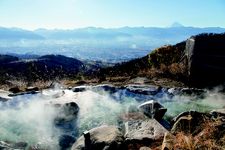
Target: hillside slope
{"x": 198, "y": 61}
{"x": 48, "y": 67}
{"x": 164, "y": 62}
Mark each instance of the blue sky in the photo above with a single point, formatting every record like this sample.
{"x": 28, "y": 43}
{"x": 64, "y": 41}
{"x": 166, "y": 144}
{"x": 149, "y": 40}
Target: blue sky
{"x": 68, "y": 14}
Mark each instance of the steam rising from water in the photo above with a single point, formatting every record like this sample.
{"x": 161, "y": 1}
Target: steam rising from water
{"x": 30, "y": 118}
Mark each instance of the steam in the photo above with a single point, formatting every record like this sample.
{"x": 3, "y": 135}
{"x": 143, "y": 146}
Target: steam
{"x": 101, "y": 108}
{"x": 30, "y": 118}
{"x": 208, "y": 101}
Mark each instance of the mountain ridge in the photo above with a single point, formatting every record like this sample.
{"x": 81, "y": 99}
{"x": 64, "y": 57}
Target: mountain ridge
{"x": 88, "y": 31}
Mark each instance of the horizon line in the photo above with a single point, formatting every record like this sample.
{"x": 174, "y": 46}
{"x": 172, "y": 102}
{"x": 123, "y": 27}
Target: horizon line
{"x": 100, "y": 27}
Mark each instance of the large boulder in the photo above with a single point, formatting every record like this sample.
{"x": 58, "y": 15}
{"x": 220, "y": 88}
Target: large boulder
{"x": 189, "y": 122}
{"x": 146, "y": 133}
{"x": 100, "y": 138}
{"x": 197, "y": 131}
{"x": 153, "y": 109}
{"x": 206, "y": 63}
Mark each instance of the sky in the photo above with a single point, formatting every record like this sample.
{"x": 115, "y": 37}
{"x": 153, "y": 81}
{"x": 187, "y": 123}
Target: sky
{"x": 69, "y": 14}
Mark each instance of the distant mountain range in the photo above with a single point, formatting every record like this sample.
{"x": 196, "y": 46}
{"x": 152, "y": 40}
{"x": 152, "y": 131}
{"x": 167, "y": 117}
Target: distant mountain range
{"x": 110, "y": 45}
{"x": 18, "y": 34}
{"x": 176, "y": 30}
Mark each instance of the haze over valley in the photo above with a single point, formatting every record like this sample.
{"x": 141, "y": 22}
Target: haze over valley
{"x": 102, "y": 44}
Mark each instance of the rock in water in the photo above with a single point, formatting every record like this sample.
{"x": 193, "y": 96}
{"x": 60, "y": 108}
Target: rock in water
{"x": 13, "y": 146}
{"x": 66, "y": 141}
{"x": 103, "y": 137}
{"x": 3, "y": 99}
{"x": 66, "y": 121}
{"x": 153, "y": 109}
{"x": 79, "y": 88}
{"x": 32, "y": 89}
{"x": 4, "y": 96}
{"x": 146, "y": 133}
{"x": 143, "y": 89}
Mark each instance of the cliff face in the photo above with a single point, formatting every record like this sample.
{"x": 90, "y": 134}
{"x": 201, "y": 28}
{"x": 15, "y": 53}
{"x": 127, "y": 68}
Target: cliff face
{"x": 206, "y": 59}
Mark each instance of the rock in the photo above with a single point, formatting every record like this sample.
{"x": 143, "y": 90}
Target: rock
{"x": 21, "y": 145}
{"x": 194, "y": 130}
{"x": 174, "y": 91}
{"x": 79, "y": 89}
{"x": 153, "y": 109}
{"x": 66, "y": 122}
{"x": 168, "y": 141}
{"x": 67, "y": 113}
{"x": 11, "y": 145}
{"x": 146, "y": 132}
{"x": 189, "y": 122}
{"x": 53, "y": 93}
{"x": 32, "y": 89}
{"x": 35, "y": 147}
{"x": 139, "y": 80}
{"x": 23, "y": 93}
{"x": 132, "y": 116}
{"x": 4, "y": 96}
{"x": 205, "y": 59}
{"x": 71, "y": 108}
{"x": 166, "y": 124}
{"x": 143, "y": 89}
{"x": 192, "y": 91}
{"x": 3, "y": 99}
{"x": 14, "y": 90}
{"x": 100, "y": 138}
{"x": 218, "y": 112}
{"x": 81, "y": 82}
{"x": 66, "y": 141}
{"x": 106, "y": 87}
{"x": 145, "y": 148}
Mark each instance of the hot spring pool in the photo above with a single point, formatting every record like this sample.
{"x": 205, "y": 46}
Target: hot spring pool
{"x": 30, "y": 118}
